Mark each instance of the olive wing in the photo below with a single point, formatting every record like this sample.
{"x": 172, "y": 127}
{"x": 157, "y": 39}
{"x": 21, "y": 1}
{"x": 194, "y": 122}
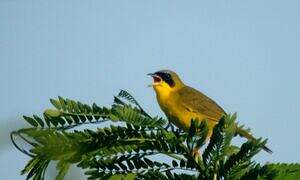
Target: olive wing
{"x": 197, "y": 102}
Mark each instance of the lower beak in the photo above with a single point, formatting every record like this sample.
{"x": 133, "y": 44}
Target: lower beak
{"x": 152, "y": 75}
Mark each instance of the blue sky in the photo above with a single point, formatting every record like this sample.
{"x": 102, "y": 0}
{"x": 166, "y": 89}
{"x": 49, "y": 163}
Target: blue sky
{"x": 243, "y": 54}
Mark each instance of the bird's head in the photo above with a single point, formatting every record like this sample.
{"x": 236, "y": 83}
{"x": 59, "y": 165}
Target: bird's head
{"x": 165, "y": 81}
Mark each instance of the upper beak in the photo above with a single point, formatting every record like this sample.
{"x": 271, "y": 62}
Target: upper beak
{"x": 151, "y": 74}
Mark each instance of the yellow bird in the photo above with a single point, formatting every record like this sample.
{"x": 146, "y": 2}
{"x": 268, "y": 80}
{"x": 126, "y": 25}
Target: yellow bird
{"x": 182, "y": 103}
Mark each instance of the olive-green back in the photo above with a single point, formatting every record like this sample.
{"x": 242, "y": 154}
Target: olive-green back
{"x": 197, "y": 102}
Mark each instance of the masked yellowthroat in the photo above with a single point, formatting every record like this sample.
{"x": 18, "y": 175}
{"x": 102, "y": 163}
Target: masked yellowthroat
{"x": 182, "y": 103}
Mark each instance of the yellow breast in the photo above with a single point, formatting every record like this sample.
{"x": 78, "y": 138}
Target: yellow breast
{"x": 175, "y": 111}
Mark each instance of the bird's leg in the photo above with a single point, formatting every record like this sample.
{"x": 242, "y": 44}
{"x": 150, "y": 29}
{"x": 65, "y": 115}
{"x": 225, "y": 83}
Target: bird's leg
{"x": 196, "y": 154}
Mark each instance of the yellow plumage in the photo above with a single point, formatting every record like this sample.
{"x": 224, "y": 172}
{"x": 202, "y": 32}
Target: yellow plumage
{"x": 182, "y": 103}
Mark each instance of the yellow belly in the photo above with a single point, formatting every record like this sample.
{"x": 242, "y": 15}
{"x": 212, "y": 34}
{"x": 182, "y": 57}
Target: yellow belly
{"x": 180, "y": 116}
{"x": 177, "y": 114}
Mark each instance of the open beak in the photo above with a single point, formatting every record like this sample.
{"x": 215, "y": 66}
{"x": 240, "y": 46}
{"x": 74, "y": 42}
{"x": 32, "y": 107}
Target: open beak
{"x": 156, "y": 79}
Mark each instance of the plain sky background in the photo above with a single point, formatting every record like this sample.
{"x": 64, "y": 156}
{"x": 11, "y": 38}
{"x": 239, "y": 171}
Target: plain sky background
{"x": 243, "y": 54}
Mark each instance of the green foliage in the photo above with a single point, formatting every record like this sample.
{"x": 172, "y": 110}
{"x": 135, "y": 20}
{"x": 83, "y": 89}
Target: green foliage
{"x": 128, "y": 151}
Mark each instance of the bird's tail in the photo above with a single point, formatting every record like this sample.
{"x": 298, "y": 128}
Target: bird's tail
{"x": 247, "y": 135}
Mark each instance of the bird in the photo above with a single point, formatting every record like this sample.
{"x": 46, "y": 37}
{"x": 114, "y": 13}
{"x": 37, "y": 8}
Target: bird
{"x": 182, "y": 103}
